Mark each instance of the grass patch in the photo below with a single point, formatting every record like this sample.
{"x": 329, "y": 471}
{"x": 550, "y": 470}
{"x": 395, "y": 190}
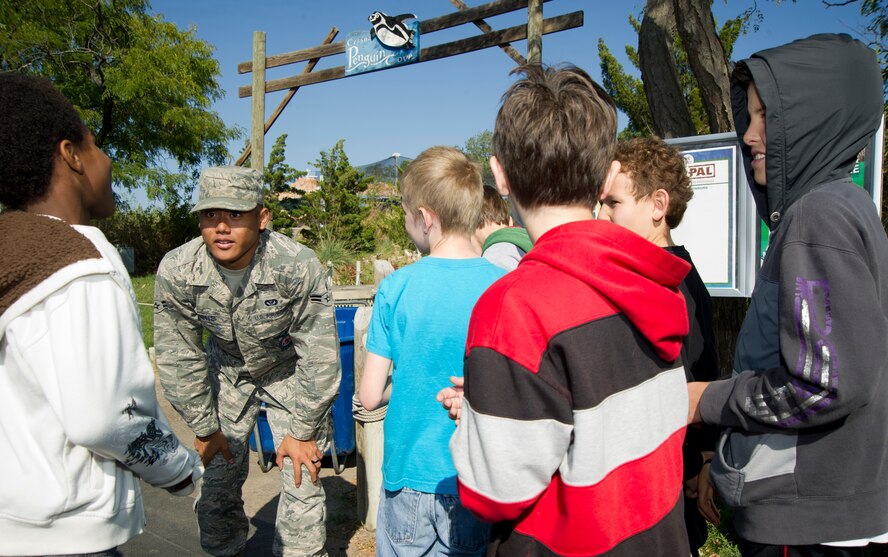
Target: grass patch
{"x": 718, "y": 544}
{"x": 144, "y": 287}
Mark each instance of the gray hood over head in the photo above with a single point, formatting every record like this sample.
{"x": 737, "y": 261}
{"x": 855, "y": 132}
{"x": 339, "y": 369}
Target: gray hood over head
{"x": 821, "y": 111}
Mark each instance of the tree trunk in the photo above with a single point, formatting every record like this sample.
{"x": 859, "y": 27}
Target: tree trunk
{"x": 706, "y": 56}
{"x": 669, "y": 109}
{"x": 696, "y": 27}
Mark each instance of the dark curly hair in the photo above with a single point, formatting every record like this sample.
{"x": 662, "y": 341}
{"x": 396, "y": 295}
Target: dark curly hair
{"x": 35, "y": 118}
{"x": 653, "y": 164}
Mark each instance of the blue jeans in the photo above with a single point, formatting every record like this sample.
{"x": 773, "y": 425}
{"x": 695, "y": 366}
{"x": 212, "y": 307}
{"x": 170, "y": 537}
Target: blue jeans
{"x": 412, "y": 523}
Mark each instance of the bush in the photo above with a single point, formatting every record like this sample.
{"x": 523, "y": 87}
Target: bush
{"x": 330, "y": 249}
{"x": 386, "y": 220}
{"x": 150, "y": 232}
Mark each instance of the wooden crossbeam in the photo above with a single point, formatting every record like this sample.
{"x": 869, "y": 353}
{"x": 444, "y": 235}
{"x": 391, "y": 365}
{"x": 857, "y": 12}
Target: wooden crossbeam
{"x": 471, "y": 44}
{"x": 439, "y": 23}
{"x": 484, "y": 26}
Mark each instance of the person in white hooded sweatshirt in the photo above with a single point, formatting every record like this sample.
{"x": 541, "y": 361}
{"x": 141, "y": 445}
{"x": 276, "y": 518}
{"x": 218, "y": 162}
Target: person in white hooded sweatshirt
{"x": 79, "y": 420}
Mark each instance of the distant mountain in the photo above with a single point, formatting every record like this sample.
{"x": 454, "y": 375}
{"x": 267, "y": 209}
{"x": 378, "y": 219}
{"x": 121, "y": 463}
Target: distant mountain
{"x": 385, "y": 170}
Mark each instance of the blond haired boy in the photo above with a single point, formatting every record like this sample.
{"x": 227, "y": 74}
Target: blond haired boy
{"x": 420, "y": 317}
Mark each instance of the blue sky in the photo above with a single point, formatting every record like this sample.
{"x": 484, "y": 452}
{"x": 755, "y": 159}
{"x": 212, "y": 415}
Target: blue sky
{"x": 442, "y": 102}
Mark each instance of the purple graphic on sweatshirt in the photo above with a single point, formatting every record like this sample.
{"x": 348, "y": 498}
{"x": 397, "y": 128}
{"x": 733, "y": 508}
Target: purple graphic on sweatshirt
{"x": 816, "y": 372}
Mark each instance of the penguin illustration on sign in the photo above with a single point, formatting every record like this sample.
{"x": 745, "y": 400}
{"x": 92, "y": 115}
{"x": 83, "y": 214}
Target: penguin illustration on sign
{"x": 391, "y": 31}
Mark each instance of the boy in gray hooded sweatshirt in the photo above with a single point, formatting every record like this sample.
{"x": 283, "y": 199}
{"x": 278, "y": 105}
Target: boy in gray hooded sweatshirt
{"x": 803, "y": 460}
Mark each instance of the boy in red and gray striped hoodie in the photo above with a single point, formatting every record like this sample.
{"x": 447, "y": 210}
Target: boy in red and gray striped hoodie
{"x": 574, "y": 414}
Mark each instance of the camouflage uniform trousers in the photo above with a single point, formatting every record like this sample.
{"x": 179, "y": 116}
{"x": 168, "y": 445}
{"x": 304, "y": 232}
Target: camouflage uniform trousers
{"x": 300, "y": 526}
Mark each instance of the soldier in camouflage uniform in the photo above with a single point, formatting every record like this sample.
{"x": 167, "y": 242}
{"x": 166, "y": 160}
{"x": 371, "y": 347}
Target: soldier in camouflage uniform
{"x": 267, "y": 306}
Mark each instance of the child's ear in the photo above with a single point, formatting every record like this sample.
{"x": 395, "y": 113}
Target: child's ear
{"x": 428, "y": 219}
{"x": 660, "y": 199}
{"x": 67, "y": 152}
{"x": 609, "y": 179}
{"x": 499, "y": 176}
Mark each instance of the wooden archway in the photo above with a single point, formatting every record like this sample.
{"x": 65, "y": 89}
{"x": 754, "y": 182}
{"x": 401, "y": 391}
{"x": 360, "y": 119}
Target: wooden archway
{"x": 534, "y": 30}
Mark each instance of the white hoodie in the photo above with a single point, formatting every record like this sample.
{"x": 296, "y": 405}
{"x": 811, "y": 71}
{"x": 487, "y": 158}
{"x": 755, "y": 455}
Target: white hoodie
{"x": 79, "y": 420}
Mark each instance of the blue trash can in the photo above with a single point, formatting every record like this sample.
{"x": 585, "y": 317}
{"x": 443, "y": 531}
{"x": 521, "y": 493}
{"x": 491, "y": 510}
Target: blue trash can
{"x": 343, "y": 423}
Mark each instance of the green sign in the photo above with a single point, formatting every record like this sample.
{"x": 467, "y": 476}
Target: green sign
{"x": 858, "y": 172}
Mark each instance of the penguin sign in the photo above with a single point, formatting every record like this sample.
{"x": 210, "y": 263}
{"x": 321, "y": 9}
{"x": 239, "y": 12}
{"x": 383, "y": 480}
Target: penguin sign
{"x": 393, "y": 41}
{"x": 391, "y": 31}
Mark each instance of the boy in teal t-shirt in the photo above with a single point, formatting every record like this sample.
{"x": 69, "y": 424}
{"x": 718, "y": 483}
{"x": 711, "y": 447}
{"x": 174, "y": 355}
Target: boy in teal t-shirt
{"x": 419, "y": 325}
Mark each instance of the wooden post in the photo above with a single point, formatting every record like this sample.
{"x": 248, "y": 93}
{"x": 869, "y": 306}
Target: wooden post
{"x": 257, "y": 136}
{"x": 283, "y": 104}
{"x": 381, "y": 269}
{"x": 535, "y": 32}
{"x": 368, "y": 437}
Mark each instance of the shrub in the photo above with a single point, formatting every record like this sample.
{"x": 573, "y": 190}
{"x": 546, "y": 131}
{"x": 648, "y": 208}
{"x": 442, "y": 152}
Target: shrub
{"x": 386, "y": 220}
{"x": 150, "y": 232}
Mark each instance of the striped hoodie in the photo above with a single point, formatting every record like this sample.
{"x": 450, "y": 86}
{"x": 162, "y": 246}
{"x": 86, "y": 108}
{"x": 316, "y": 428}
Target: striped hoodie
{"x": 575, "y": 401}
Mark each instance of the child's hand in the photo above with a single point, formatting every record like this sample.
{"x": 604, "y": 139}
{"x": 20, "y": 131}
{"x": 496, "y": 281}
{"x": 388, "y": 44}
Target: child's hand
{"x": 451, "y": 398}
{"x": 706, "y": 496}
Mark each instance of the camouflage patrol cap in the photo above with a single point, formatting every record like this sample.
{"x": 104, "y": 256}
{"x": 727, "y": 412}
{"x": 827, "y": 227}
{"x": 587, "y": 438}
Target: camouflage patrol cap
{"x": 232, "y": 188}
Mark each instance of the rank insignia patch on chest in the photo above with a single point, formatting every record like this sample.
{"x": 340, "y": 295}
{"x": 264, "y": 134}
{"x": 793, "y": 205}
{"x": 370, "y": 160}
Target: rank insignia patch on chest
{"x": 271, "y": 303}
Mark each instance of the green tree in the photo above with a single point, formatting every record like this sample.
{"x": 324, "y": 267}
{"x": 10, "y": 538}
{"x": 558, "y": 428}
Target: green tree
{"x": 279, "y": 177}
{"x": 628, "y": 91}
{"x": 143, "y": 86}
{"x": 151, "y": 232}
{"x": 479, "y": 148}
{"x": 335, "y": 209}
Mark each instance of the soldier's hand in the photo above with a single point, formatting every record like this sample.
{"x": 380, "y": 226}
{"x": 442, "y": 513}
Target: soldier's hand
{"x": 208, "y": 446}
{"x": 302, "y": 453}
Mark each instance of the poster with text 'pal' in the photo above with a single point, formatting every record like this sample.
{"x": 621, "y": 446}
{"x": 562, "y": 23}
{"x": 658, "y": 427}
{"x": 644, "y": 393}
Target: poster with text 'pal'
{"x": 710, "y": 234}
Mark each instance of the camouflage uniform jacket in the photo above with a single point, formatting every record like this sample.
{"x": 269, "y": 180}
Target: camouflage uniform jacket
{"x": 283, "y": 320}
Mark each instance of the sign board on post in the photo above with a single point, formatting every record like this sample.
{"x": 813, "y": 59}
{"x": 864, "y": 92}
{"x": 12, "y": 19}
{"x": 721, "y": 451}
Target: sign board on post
{"x": 367, "y": 51}
{"x": 721, "y": 228}
{"x": 718, "y": 228}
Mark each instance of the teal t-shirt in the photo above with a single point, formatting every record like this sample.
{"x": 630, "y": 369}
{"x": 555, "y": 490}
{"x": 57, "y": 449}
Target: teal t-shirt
{"x": 420, "y": 321}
